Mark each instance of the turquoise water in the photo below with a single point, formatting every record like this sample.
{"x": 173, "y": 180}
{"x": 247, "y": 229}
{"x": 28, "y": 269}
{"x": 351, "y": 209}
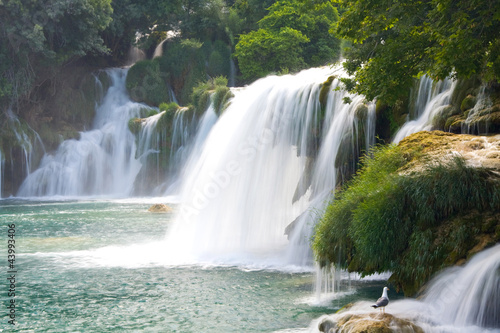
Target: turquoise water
{"x": 95, "y": 266}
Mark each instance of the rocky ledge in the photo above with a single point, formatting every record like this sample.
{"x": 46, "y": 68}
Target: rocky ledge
{"x": 159, "y": 208}
{"x": 368, "y": 322}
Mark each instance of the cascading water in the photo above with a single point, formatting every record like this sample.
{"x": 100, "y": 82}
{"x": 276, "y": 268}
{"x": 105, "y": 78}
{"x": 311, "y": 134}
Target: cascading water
{"x": 163, "y": 151}
{"x": 468, "y": 296}
{"x": 483, "y": 102}
{"x": 432, "y": 97}
{"x": 459, "y": 300}
{"x": 102, "y": 161}
{"x": 239, "y": 194}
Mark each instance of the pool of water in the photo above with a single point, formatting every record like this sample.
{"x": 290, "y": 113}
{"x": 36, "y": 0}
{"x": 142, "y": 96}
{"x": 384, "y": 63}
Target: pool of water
{"x": 97, "y": 266}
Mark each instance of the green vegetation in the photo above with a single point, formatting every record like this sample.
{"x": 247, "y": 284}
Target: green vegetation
{"x": 217, "y": 90}
{"x": 36, "y": 38}
{"x": 293, "y": 35}
{"x": 393, "y": 43}
{"x": 412, "y": 221}
{"x": 145, "y": 84}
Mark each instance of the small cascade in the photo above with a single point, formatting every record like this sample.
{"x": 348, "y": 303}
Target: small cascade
{"x": 470, "y": 295}
{"x": 432, "y": 98}
{"x": 134, "y": 55}
{"x": 483, "y": 102}
{"x": 159, "y": 49}
{"x": 21, "y": 151}
{"x": 460, "y": 299}
{"x": 102, "y": 161}
{"x": 272, "y": 158}
{"x": 163, "y": 149}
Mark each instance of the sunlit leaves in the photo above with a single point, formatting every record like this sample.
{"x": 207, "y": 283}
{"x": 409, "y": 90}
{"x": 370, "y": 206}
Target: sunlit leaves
{"x": 394, "y": 41}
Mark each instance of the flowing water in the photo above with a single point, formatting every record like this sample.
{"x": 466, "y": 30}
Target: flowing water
{"x": 432, "y": 98}
{"x": 246, "y": 188}
{"x": 459, "y": 300}
{"x": 101, "y": 266}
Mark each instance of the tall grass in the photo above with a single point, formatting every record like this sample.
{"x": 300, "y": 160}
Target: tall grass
{"x": 385, "y": 220}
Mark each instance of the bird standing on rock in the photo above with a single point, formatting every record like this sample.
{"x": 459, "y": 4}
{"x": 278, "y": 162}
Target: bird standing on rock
{"x": 382, "y": 301}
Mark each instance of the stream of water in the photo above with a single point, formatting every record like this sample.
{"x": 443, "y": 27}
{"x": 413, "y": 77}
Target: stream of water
{"x": 100, "y": 266}
{"x": 234, "y": 254}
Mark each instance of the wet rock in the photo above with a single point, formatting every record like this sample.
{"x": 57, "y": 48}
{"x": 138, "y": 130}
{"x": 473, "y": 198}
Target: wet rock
{"x": 159, "y": 208}
{"x": 374, "y": 322}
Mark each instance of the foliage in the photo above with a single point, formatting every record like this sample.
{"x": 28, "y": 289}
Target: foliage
{"x": 294, "y": 33}
{"x": 134, "y": 125}
{"x": 261, "y": 52}
{"x": 145, "y": 84}
{"x": 215, "y": 91}
{"x": 392, "y": 43}
{"x": 37, "y": 35}
{"x": 169, "y": 107}
{"x": 383, "y": 218}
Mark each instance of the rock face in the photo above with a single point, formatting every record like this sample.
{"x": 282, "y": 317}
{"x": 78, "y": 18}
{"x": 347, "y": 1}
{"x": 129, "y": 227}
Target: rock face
{"x": 478, "y": 151}
{"x": 159, "y": 208}
{"x": 345, "y": 321}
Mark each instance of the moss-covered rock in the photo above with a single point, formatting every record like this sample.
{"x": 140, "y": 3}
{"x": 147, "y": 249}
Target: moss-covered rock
{"x": 135, "y": 125}
{"x": 215, "y": 91}
{"x": 415, "y": 208}
{"x": 468, "y": 103}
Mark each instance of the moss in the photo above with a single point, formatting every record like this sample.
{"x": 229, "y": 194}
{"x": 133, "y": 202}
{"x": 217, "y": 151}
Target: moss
{"x": 169, "y": 107}
{"x": 325, "y": 90}
{"x": 468, "y": 103}
{"x": 463, "y": 88}
{"x": 361, "y": 112}
{"x": 135, "y": 125}
{"x": 214, "y": 90}
{"x": 220, "y": 97}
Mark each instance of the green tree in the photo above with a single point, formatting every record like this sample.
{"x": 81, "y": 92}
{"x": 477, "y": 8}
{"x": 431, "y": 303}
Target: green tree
{"x": 395, "y": 42}
{"x": 294, "y": 34}
{"x": 38, "y": 35}
{"x": 261, "y": 52}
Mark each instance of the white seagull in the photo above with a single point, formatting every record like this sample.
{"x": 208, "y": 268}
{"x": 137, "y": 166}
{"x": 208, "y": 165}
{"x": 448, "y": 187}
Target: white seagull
{"x": 382, "y": 301}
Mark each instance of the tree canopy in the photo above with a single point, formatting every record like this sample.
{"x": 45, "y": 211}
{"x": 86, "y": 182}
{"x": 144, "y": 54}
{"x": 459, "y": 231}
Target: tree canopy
{"x": 394, "y": 42}
{"x": 293, "y": 35}
{"x": 34, "y": 34}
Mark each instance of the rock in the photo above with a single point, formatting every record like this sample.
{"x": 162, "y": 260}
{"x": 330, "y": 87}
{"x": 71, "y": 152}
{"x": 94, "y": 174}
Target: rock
{"x": 159, "y": 208}
{"x": 468, "y": 103}
{"x": 478, "y": 151}
{"x": 372, "y": 322}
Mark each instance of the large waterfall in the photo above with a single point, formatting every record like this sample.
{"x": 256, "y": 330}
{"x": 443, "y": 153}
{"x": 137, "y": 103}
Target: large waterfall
{"x": 272, "y": 158}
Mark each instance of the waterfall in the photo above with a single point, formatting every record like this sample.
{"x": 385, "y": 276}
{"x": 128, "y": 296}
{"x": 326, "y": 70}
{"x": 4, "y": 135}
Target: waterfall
{"x": 272, "y": 158}
{"x": 458, "y": 300}
{"x": 469, "y": 295}
{"x": 483, "y": 102}
{"x": 102, "y": 161}
{"x": 163, "y": 152}
{"x": 432, "y": 97}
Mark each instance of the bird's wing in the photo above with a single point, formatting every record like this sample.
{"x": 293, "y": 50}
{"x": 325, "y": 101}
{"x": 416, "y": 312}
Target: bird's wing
{"x": 382, "y": 301}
